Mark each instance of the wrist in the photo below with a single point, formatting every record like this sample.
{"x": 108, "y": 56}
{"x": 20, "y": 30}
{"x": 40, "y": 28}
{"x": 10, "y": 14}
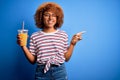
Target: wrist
{"x": 72, "y": 44}
{"x": 23, "y": 46}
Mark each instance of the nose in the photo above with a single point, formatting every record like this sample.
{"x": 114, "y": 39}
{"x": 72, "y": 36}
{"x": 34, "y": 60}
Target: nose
{"x": 50, "y": 16}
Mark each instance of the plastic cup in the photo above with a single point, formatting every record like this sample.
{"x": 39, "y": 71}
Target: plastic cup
{"x": 23, "y": 36}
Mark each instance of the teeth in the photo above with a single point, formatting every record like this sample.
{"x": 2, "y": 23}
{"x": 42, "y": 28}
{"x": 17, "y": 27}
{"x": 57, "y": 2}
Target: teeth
{"x": 50, "y": 22}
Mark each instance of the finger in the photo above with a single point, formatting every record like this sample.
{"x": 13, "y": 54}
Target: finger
{"x": 19, "y": 37}
{"x": 79, "y": 37}
{"x": 82, "y": 32}
{"x": 18, "y": 42}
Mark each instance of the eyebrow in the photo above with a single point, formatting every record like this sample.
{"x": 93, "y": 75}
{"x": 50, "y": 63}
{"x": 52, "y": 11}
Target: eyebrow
{"x": 48, "y": 13}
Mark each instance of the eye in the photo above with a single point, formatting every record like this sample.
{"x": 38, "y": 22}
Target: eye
{"x": 49, "y": 15}
{"x": 53, "y": 15}
{"x": 46, "y": 15}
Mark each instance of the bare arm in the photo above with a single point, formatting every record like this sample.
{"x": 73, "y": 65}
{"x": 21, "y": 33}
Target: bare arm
{"x": 74, "y": 40}
{"x": 31, "y": 58}
{"x": 69, "y": 52}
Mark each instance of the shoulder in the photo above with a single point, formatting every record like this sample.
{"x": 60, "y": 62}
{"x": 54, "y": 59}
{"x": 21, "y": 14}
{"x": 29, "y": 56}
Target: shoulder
{"x": 62, "y": 32}
{"x": 34, "y": 34}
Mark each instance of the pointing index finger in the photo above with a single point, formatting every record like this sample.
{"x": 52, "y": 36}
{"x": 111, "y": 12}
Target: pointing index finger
{"x": 82, "y": 32}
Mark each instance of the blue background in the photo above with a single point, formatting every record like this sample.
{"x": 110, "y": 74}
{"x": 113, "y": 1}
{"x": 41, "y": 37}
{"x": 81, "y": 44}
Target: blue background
{"x": 96, "y": 57}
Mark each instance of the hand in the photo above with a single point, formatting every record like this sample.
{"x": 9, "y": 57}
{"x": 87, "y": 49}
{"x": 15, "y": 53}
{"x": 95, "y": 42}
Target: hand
{"x": 76, "y": 38}
{"x": 22, "y": 39}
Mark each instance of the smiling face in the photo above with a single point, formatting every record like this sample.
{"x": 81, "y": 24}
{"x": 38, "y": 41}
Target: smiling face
{"x": 49, "y": 19}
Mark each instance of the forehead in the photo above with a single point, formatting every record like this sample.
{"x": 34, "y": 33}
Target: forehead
{"x": 50, "y": 9}
{"x": 49, "y": 12}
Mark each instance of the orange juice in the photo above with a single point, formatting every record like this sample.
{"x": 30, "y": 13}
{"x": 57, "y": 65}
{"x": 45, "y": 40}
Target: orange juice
{"x": 23, "y": 37}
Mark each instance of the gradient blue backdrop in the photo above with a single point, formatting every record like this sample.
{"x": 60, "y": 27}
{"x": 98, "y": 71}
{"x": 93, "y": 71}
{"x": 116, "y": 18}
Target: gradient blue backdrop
{"x": 96, "y": 57}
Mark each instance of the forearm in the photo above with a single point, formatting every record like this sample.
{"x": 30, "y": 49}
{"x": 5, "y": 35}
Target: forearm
{"x": 73, "y": 42}
{"x": 68, "y": 54}
{"x": 29, "y": 56}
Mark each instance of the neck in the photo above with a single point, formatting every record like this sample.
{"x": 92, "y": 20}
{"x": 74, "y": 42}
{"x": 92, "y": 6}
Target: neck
{"x": 49, "y": 30}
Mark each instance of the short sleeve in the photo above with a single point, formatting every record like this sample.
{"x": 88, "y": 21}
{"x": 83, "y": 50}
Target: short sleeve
{"x": 32, "y": 46}
{"x": 66, "y": 43}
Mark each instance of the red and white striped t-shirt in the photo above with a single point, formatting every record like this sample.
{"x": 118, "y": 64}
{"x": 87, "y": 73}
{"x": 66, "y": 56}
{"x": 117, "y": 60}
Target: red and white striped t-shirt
{"x": 49, "y": 46}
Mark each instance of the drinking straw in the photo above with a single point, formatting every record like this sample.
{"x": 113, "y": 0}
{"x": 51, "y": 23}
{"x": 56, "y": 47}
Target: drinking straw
{"x": 23, "y": 25}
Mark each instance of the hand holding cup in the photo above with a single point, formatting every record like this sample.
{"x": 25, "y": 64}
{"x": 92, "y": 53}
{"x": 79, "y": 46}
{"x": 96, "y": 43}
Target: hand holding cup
{"x": 22, "y": 37}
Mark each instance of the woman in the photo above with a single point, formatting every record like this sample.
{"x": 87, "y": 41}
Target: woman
{"x": 49, "y": 46}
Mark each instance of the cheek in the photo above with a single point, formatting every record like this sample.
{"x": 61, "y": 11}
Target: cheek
{"x": 44, "y": 20}
{"x": 55, "y": 20}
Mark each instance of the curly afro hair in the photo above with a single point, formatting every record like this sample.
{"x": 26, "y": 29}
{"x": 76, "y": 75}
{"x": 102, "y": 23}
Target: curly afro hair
{"x": 52, "y": 7}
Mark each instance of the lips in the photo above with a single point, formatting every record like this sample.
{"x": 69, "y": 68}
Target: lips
{"x": 50, "y": 22}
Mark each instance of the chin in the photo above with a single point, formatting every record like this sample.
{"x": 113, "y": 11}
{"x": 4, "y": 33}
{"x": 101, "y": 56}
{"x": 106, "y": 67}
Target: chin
{"x": 50, "y": 26}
